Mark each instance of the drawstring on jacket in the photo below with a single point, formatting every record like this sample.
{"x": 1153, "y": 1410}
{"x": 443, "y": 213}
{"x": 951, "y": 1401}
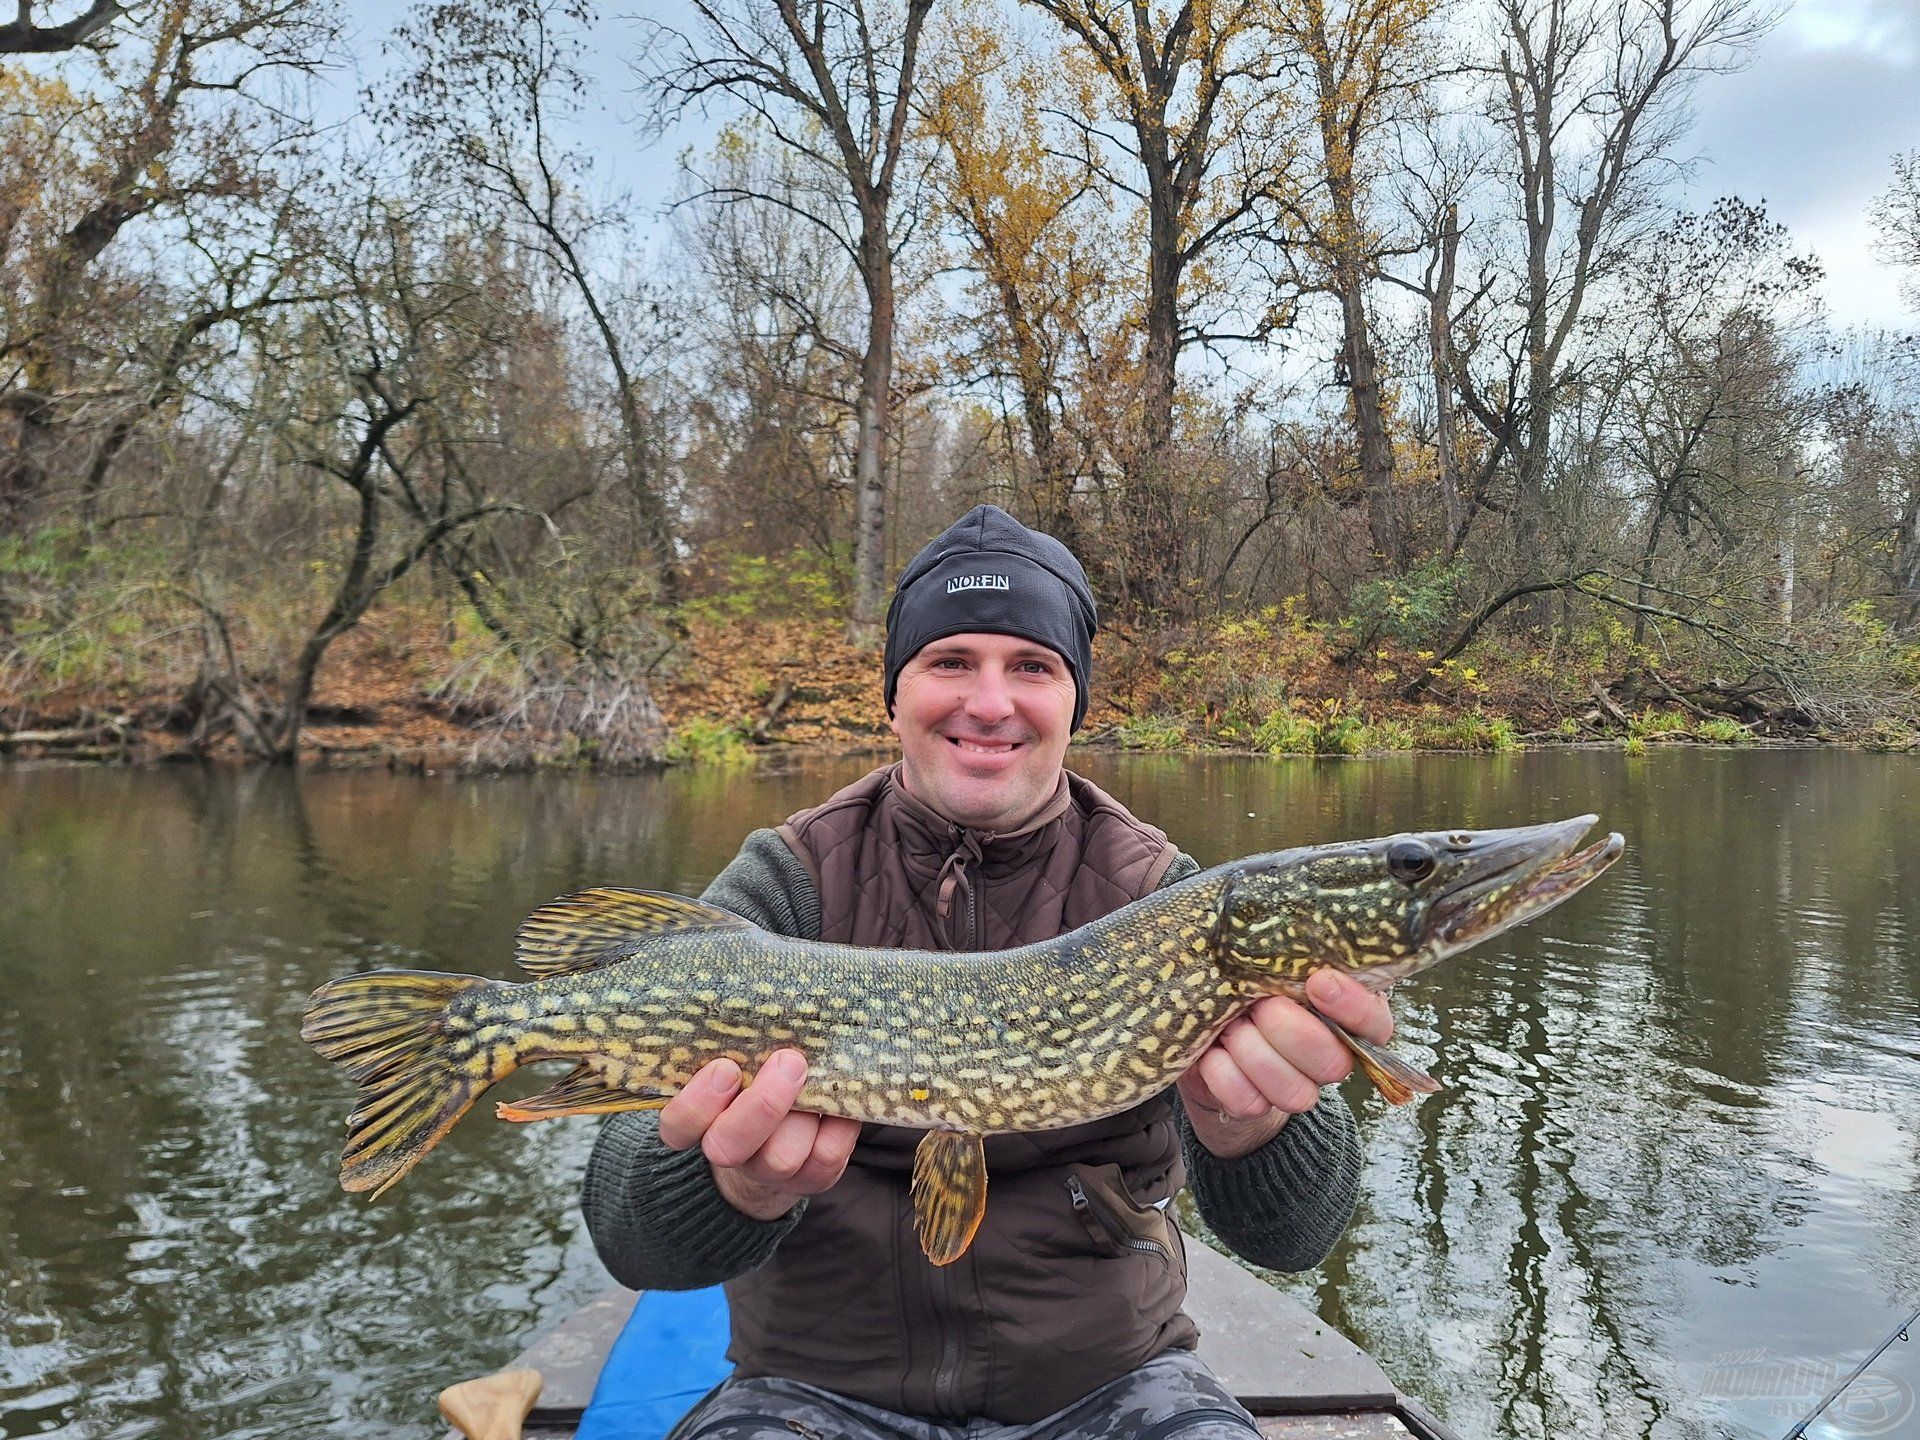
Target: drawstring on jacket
{"x": 955, "y": 869}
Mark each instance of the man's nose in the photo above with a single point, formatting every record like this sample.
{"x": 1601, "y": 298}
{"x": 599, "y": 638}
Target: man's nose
{"x": 990, "y": 700}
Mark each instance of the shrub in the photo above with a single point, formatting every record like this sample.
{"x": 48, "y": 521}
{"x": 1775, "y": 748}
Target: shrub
{"x": 1723, "y": 731}
{"x": 1657, "y": 724}
{"x": 700, "y": 741}
{"x": 1145, "y": 732}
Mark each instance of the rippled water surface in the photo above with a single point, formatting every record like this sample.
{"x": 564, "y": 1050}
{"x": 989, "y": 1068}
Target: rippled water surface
{"x": 1672, "y": 1187}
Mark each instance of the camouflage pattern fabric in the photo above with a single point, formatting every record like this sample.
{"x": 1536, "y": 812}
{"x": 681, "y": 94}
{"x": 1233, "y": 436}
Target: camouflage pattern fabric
{"x": 1171, "y": 1397}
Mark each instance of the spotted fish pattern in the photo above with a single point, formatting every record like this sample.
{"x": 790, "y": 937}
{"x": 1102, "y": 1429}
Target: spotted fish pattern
{"x": 640, "y": 990}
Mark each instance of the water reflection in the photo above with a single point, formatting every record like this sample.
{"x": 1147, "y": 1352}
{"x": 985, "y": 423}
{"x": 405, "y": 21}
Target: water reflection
{"x": 1676, "y": 1157}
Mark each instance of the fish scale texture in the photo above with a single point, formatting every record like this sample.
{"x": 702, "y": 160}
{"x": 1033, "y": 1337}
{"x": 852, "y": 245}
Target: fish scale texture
{"x": 658, "y": 1222}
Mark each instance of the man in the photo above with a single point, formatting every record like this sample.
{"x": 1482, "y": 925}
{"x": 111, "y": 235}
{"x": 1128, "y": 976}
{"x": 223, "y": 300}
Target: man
{"x": 1063, "y": 1318}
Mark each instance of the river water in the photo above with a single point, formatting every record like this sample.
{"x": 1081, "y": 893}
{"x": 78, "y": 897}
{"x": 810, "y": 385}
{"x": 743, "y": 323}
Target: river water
{"x": 1671, "y": 1188}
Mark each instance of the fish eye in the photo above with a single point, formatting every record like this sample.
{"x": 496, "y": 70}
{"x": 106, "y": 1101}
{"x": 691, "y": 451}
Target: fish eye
{"x": 1409, "y": 860}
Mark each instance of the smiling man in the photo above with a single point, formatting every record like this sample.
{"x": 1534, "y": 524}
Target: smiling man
{"x": 1063, "y": 1318}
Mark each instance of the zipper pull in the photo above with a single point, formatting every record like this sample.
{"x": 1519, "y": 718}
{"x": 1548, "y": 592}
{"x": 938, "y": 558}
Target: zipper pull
{"x": 1079, "y": 1196}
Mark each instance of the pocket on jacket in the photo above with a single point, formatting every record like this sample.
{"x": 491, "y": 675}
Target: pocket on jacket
{"x": 1099, "y": 1196}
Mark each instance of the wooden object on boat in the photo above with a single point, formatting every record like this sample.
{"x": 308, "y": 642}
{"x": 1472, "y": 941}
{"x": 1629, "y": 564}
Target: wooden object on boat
{"x": 494, "y": 1407}
{"x": 1301, "y": 1378}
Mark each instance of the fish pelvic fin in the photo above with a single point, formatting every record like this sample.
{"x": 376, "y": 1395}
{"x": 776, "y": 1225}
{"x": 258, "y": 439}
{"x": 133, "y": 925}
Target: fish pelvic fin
{"x": 581, "y": 1091}
{"x": 592, "y": 928}
{"x": 1396, "y": 1080}
{"x": 949, "y": 1192}
{"x": 387, "y": 1029}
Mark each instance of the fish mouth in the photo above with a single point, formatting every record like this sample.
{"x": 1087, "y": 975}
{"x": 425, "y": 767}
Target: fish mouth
{"x": 1510, "y": 876}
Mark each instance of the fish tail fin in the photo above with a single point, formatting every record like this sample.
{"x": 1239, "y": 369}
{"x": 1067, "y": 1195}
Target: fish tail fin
{"x": 387, "y": 1029}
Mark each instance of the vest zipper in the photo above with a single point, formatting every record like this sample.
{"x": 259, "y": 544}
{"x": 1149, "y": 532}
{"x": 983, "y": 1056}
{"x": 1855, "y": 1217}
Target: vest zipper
{"x": 1085, "y": 1203}
{"x": 946, "y": 1375}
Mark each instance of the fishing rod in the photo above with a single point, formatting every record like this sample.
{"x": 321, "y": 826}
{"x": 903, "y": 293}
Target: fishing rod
{"x": 1899, "y": 1333}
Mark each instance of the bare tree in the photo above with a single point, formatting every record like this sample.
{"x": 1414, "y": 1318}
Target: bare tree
{"x": 486, "y": 98}
{"x": 180, "y": 137}
{"x": 1184, "y": 116}
{"x": 1896, "y": 215}
{"x": 834, "y": 80}
{"x": 1367, "y": 62}
{"x": 23, "y": 35}
{"x": 1590, "y": 97}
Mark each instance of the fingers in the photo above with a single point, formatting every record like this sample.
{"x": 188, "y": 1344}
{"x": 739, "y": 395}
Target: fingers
{"x": 748, "y": 1122}
{"x": 685, "y": 1119}
{"x": 1279, "y": 1054}
{"x": 1343, "y": 999}
{"x": 756, "y": 1131}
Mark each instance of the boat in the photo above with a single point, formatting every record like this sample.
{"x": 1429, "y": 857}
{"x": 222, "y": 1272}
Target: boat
{"x": 1300, "y": 1378}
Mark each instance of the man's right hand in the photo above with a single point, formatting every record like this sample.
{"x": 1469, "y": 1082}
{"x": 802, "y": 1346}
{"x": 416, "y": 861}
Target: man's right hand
{"x": 765, "y": 1154}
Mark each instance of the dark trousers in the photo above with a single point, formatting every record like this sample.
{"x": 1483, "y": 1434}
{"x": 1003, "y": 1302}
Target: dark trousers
{"x": 1171, "y": 1397}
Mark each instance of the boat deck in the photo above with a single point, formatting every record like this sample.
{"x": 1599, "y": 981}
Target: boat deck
{"x": 1301, "y": 1378}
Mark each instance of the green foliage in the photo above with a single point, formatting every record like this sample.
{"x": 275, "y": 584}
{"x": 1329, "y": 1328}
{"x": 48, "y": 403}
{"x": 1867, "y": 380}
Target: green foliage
{"x": 1334, "y": 731}
{"x": 699, "y": 741}
{"x": 1470, "y": 731}
{"x": 1722, "y": 731}
{"x": 1146, "y": 732}
{"x": 1635, "y": 745}
{"x": 81, "y": 613}
{"x": 1657, "y": 724}
{"x": 1413, "y": 608}
{"x": 802, "y": 583}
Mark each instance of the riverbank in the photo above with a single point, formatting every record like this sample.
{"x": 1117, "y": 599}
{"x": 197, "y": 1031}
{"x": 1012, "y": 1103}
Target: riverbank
{"x": 735, "y": 689}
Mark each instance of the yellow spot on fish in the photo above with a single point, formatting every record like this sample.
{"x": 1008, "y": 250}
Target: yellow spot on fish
{"x": 920, "y": 1094}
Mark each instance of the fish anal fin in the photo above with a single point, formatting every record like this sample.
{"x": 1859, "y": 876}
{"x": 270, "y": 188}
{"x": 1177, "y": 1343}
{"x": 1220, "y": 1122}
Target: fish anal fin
{"x": 1396, "y": 1080}
{"x": 949, "y": 1192}
{"x": 581, "y": 1091}
{"x": 591, "y": 928}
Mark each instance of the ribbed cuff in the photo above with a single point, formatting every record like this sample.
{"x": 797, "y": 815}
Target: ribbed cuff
{"x": 1284, "y": 1205}
{"x": 657, "y": 1219}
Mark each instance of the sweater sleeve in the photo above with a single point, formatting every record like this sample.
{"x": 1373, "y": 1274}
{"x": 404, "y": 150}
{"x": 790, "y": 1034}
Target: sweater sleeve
{"x": 1285, "y": 1205}
{"x": 655, "y": 1216}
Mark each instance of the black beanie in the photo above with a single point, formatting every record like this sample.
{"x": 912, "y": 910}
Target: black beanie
{"x": 990, "y": 574}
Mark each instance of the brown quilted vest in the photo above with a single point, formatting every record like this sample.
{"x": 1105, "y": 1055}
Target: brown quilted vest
{"x": 1076, "y": 1274}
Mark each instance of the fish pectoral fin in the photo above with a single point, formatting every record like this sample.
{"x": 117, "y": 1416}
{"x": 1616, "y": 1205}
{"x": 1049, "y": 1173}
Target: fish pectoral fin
{"x": 581, "y": 1091}
{"x": 949, "y": 1192}
{"x": 591, "y": 928}
{"x": 1396, "y": 1080}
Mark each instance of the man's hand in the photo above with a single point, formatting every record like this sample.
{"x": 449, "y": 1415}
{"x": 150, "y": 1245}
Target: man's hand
{"x": 1271, "y": 1062}
{"x": 765, "y": 1154}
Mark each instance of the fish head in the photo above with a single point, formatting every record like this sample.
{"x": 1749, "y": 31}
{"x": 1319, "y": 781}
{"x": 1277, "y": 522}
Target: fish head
{"x": 1381, "y": 910}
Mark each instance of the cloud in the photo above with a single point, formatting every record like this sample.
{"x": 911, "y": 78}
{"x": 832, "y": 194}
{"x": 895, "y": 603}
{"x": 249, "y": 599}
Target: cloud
{"x": 1811, "y": 127}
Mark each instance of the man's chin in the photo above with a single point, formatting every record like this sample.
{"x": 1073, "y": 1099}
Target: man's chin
{"x": 979, "y": 797}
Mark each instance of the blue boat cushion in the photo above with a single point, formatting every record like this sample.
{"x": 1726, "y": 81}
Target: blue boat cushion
{"x": 672, "y": 1351}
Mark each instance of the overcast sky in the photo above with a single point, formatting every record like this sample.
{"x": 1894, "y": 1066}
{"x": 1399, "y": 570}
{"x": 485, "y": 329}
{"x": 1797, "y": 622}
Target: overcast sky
{"x": 1810, "y": 127}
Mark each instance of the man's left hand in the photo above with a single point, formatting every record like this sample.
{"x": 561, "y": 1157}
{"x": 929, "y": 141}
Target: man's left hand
{"x": 1270, "y": 1063}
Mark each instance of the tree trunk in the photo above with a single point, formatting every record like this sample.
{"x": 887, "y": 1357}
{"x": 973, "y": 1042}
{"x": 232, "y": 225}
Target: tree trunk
{"x": 870, "y": 456}
{"x": 1446, "y": 437}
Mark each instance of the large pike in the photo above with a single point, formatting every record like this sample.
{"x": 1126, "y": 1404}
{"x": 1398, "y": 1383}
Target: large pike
{"x": 640, "y": 990}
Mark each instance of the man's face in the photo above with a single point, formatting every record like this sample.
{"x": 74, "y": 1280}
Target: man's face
{"x": 983, "y": 722}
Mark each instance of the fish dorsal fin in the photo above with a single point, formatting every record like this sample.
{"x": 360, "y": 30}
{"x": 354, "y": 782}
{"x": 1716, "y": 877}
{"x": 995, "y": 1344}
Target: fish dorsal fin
{"x": 591, "y": 928}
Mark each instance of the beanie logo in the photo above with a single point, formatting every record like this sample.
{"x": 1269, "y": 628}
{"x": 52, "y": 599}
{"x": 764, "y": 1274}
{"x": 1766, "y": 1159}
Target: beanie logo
{"x": 977, "y": 582}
